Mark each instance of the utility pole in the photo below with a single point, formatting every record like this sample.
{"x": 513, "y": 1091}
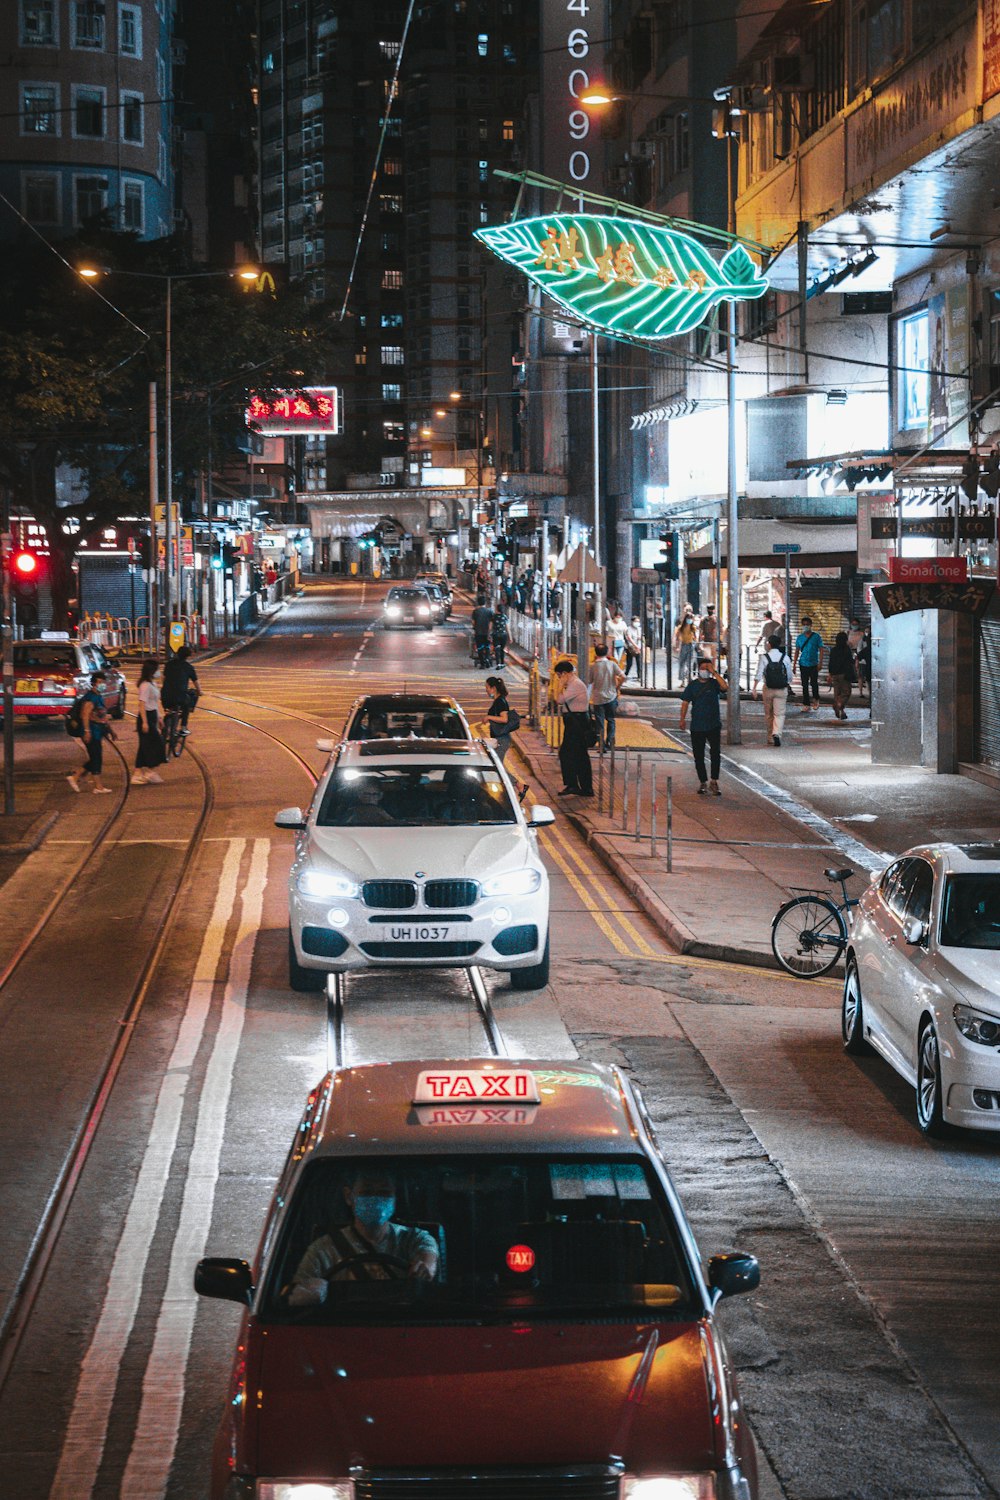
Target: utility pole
{"x": 154, "y": 543}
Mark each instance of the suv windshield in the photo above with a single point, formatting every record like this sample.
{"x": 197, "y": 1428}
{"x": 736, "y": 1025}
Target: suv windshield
{"x": 478, "y": 1238}
{"x": 970, "y": 914}
{"x": 43, "y": 656}
{"x": 413, "y": 795}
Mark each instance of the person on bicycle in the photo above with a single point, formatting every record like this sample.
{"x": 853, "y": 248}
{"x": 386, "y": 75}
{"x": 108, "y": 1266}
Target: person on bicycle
{"x": 180, "y": 690}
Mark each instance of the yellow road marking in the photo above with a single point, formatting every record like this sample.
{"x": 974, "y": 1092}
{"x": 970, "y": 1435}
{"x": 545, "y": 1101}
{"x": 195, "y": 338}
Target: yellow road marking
{"x": 599, "y": 917}
{"x": 602, "y": 892}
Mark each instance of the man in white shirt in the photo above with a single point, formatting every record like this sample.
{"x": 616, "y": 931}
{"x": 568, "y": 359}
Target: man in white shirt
{"x": 606, "y": 677}
{"x": 574, "y": 701}
{"x": 774, "y": 674}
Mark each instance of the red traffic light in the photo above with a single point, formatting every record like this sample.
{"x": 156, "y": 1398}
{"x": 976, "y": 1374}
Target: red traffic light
{"x": 25, "y": 564}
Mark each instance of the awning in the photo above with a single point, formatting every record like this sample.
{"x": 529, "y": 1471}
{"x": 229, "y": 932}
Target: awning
{"x": 820, "y": 546}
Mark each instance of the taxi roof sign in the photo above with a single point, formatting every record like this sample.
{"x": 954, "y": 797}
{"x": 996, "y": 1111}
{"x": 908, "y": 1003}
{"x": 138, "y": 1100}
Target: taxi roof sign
{"x": 499, "y": 1085}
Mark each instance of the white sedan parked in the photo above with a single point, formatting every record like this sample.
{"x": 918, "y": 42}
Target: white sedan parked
{"x": 922, "y": 980}
{"x": 416, "y": 852}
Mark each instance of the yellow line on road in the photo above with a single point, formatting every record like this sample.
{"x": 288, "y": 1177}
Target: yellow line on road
{"x": 599, "y": 916}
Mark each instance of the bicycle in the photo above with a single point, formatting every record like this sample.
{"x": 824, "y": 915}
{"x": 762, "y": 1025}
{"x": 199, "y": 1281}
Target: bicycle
{"x": 173, "y": 733}
{"x": 809, "y": 931}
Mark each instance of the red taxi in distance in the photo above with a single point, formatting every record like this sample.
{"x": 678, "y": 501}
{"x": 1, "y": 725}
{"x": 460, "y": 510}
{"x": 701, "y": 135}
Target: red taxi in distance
{"x": 49, "y": 674}
{"x": 476, "y": 1280}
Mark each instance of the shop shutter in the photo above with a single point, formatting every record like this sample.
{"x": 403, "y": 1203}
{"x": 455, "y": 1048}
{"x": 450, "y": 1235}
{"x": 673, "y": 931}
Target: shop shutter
{"x": 988, "y": 694}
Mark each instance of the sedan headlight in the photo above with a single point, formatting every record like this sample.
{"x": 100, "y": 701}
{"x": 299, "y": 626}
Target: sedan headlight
{"x": 305, "y": 1489}
{"x": 515, "y": 883}
{"x": 323, "y": 885}
{"x": 668, "y": 1487}
{"x": 393, "y": 610}
{"x": 423, "y": 611}
{"x": 977, "y": 1026}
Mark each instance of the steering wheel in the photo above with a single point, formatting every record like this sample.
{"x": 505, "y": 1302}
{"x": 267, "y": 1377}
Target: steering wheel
{"x": 374, "y": 1258}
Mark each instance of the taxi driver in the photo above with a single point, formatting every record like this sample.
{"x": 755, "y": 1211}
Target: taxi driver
{"x": 370, "y": 1248}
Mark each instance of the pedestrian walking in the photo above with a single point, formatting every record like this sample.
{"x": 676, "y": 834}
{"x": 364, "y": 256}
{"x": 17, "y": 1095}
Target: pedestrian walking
{"x": 685, "y": 641}
{"x": 500, "y": 637}
{"x": 706, "y": 724}
{"x": 864, "y": 661}
{"x": 150, "y": 752}
{"x": 606, "y": 677}
{"x": 615, "y": 629}
{"x": 808, "y": 658}
{"x": 574, "y": 704}
{"x": 843, "y": 673}
{"x": 770, "y": 627}
{"x": 95, "y": 727}
{"x": 482, "y": 626}
{"x": 503, "y": 720}
{"x": 708, "y": 635}
{"x": 774, "y": 674}
{"x": 633, "y": 646}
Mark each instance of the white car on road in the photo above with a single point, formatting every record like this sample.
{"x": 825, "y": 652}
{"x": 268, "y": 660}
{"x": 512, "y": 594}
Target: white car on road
{"x": 922, "y": 980}
{"x": 416, "y": 853}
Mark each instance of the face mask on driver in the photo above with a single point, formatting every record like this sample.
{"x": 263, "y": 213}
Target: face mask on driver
{"x": 373, "y": 1210}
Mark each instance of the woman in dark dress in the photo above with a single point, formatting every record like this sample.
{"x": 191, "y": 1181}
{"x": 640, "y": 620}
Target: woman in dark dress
{"x": 842, "y": 673}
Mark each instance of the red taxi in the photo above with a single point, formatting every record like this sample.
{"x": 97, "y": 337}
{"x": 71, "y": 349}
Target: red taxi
{"x": 476, "y": 1280}
{"x": 49, "y": 674}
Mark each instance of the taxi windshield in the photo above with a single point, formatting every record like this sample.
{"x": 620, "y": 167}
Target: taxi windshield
{"x": 469, "y": 1238}
{"x": 411, "y": 796}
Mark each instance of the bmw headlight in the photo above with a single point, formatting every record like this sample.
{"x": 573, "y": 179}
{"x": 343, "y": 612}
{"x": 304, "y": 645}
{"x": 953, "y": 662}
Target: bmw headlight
{"x": 393, "y": 611}
{"x": 423, "y": 611}
{"x": 977, "y": 1026}
{"x": 324, "y": 885}
{"x": 668, "y": 1487}
{"x": 305, "y": 1489}
{"x": 514, "y": 883}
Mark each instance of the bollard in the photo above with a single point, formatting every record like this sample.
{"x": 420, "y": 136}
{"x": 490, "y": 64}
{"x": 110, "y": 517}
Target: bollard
{"x": 652, "y": 807}
{"x": 611, "y": 784}
{"x": 625, "y": 790}
{"x": 600, "y": 780}
{"x": 670, "y": 825}
{"x": 638, "y": 797}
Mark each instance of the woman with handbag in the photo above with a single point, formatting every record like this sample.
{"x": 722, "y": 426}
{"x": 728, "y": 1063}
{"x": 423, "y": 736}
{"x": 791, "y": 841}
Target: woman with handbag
{"x": 503, "y": 720}
{"x": 150, "y": 753}
{"x": 579, "y": 731}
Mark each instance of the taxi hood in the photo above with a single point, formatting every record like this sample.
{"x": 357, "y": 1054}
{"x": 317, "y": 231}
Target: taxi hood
{"x": 438, "y": 853}
{"x": 426, "y": 1397}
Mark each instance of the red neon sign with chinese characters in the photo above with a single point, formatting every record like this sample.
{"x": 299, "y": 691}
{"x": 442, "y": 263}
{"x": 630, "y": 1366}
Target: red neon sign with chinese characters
{"x": 314, "y": 409}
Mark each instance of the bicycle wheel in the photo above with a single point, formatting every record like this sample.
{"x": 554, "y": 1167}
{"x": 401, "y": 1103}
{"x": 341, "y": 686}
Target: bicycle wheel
{"x": 173, "y": 739}
{"x": 808, "y": 935}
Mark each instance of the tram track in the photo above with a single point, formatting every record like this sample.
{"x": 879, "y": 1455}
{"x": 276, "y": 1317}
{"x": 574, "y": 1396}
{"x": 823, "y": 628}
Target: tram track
{"x": 42, "y": 1246}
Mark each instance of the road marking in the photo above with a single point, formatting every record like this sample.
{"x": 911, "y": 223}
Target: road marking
{"x": 578, "y": 886}
{"x": 603, "y": 893}
{"x": 155, "y": 1438}
{"x": 83, "y": 1444}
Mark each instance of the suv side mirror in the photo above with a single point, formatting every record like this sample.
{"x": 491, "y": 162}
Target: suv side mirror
{"x": 228, "y": 1280}
{"x": 915, "y": 932}
{"x": 290, "y": 817}
{"x": 728, "y": 1275}
{"x": 540, "y": 816}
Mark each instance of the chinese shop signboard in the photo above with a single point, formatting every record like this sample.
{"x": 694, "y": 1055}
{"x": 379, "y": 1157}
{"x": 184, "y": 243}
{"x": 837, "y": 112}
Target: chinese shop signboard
{"x": 623, "y": 276}
{"x": 313, "y": 410}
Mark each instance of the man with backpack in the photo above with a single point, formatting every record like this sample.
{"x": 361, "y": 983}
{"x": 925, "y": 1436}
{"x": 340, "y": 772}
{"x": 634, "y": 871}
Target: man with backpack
{"x": 774, "y": 674}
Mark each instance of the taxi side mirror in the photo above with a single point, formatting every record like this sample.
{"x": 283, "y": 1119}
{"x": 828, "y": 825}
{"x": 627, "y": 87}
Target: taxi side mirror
{"x": 290, "y": 817}
{"x": 728, "y": 1275}
{"x": 540, "y": 816}
{"x": 228, "y": 1280}
{"x": 327, "y": 746}
{"x": 915, "y": 932}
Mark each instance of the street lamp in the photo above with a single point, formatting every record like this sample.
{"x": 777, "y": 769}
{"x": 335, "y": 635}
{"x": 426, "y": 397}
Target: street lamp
{"x": 246, "y": 274}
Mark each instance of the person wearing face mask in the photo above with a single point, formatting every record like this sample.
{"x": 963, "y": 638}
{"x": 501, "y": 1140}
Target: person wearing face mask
{"x": 703, "y": 697}
{"x": 359, "y": 1251}
{"x": 150, "y": 753}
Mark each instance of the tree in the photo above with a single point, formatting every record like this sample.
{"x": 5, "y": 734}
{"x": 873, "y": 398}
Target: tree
{"x": 75, "y": 368}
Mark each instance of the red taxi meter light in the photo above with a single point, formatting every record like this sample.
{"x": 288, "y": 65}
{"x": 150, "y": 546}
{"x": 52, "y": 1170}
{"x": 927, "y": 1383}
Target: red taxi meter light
{"x": 465, "y": 1085}
{"x": 25, "y": 563}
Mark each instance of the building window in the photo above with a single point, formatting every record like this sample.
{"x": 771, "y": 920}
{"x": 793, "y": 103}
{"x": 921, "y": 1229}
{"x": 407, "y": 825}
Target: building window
{"x": 361, "y": 356}
{"x": 393, "y": 432}
{"x": 391, "y": 203}
{"x": 40, "y": 197}
{"x": 161, "y": 163}
{"x": 392, "y": 320}
{"x": 483, "y": 44}
{"x": 39, "y": 109}
{"x": 161, "y": 77}
{"x": 132, "y": 118}
{"x": 88, "y": 24}
{"x": 913, "y": 352}
{"x": 389, "y": 50}
{"x": 88, "y": 112}
{"x": 133, "y": 207}
{"x": 90, "y": 198}
{"x": 507, "y": 132}
{"x": 38, "y": 23}
{"x": 392, "y": 392}
{"x": 392, "y": 354}
{"x": 392, "y": 166}
{"x": 130, "y": 31}
{"x": 392, "y": 281}
{"x": 484, "y": 213}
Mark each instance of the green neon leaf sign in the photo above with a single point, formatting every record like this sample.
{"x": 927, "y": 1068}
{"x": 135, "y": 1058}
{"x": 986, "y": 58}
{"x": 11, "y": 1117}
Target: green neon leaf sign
{"x": 625, "y": 276}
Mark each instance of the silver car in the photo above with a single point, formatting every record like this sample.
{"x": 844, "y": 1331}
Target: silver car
{"x": 416, "y": 853}
{"x": 922, "y": 980}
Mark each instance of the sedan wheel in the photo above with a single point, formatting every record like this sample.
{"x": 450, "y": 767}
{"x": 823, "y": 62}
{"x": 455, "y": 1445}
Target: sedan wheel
{"x": 930, "y": 1116}
{"x": 852, "y": 1013}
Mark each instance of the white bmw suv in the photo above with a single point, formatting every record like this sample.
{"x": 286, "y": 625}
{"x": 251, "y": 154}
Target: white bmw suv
{"x": 416, "y": 853}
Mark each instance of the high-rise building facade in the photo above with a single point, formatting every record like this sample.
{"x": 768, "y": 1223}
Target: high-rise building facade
{"x": 86, "y": 104}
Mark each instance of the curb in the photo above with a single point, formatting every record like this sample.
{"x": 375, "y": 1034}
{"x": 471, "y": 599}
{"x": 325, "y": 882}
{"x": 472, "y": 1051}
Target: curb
{"x": 37, "y": 833}
{"x": 660, "y": 914}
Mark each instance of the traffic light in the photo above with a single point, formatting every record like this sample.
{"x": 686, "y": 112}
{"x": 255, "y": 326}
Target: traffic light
{"x": 969, "y": 482}
{"x": 989, "y": 480}
{"x": 368, "y": 541}
{"x": 25, "y": 573}
{"x": 670, "y": 563}
{"x": 229, "y": 556}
